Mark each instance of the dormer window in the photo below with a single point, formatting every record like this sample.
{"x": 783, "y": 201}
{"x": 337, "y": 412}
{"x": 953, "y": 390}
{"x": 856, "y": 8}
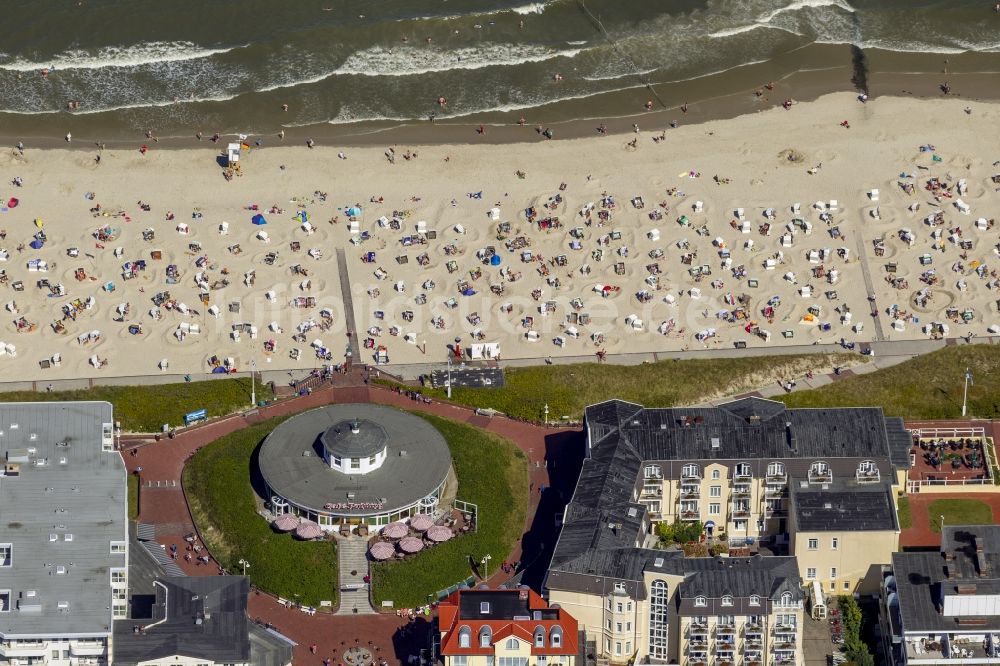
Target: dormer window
{"x": 786, "y": 598}
{"x": 653, "y": 472}
{"x": 465, "y": 637}
{"x": 754, "y": 600}
{"x": 819, "y": 472}
{"x": 700, "y": 601}
{"x": 868, "y": 472}
{"x": 727, "y": 600}
{"x": 743, "y": 471}
{"x": 776, "y": 470}
{"x": 555, "y": 637}
{"x": 690, "y": 471}
{"x": 539, "y": 637}
{"x": 485, "y": 637}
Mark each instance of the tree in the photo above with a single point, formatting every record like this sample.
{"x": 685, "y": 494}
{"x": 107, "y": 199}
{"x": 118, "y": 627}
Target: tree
{"x": 679, "y": 532}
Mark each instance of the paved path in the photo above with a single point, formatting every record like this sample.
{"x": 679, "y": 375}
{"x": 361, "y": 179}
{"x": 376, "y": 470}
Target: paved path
{"x": 348, "y": 298}
{"x": 867, "y": 274}
{"x": 550, "y": 453}
{"x": 352, "y": 558}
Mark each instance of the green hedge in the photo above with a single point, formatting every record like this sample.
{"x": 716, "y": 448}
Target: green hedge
{"x": 217, "y": 483}
{"x": 492, "y": 473}
{"x": 146, "y": 408}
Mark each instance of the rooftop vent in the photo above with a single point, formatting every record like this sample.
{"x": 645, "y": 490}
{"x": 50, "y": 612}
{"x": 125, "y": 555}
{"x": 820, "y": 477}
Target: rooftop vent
{"x": 63, "y": 460}
{"x": 350, "y": 495}
{"x": 827, "y": 505}
{"x": 716, "y": 443}
{"x": 663, "y": 426}
{"x": 63, "y": 605}
{"x": 658, "y": 562}
{"x": 306, "y": 454}
{"x": 753, "y": 419}
{"x": 61, "y": 570}
{"x": 355, "y": 427}
{"x": 632, "y": 512}
{"x": 402, "y": 453}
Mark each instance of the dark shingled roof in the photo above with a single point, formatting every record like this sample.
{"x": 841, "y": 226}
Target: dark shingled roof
{"x": 603, "y": 530}
{"x": 342, "y": 440}
{"x": 222, "y": 635}
{"x": 844, "y": 506}
{"x": 922, "y": 579}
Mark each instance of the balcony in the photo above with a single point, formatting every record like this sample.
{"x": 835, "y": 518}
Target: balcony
{"x": 651, "y": 492}
{"x": 741, "y": 511}
{"x": 88, "y": 648}
{"x": 867, "y": 476}
{"x": 690, "y": 515}
{"x": 691, "y": 474}
{"x": 697, "y": 629}
{"x": 13, "y": 649}
{"x": 775, "y": 491}
{"x": 825, "y": 476}
{"x": 689, "y": 492}
{"x": 727, "y": 648}
{"x": 696, "y": 645}
{"x": 776, "y": 478}
{"x": 742, "y": 490}
{"x": 697, "y": 661}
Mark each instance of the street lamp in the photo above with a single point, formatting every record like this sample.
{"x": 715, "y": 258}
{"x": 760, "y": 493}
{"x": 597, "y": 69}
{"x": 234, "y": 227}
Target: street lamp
{"x": 253, "y": 384}
{"x": 245, "y": 564}
{"x": 965, "y": 393}
{"x": 546, "y": 408}
{"x": 448, "y": 383}
{"x": 486, "y": 564}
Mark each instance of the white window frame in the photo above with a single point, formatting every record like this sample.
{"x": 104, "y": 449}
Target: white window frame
{"x": 716, "y": 474}
{"x": 715, "y": 491}
{"x": 9, "y": 547}
{"x": 714, "y": 509}
{"x": 653, "y": 472}
{"x": 465, "y": 637}
{"x": 833, "y": 573}
{"x": 10, "y": 598}
{"x": 691, "y": 470}
{"x": 619, "y": 586}
{"x": 811, "y": 573}
{"x": 511, "y": 644}
{"x": 743, "y": 469}
{"x": 118, "y": 547}
{"x": 754, "y": 600}
{"x": 776, "y": 469}
{"x": 812, "y": 544}
{"x": 727, "y": 600}
{"x": 700, "y": 601}
{"x": 834, "y": 543}
{"x": 485, "y": 636}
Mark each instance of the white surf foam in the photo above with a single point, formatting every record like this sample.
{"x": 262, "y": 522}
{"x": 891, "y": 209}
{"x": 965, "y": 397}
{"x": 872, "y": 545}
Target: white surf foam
{"x": 119, "y": 56}
{"x": 531, "y": 8}
{"x": 407, "y": 61}
{"x": 805, "y": 4}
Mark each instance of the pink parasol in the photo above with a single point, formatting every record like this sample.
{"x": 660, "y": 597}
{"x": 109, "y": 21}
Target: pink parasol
{"x": 308, "y": 530}
{"x": 395, "y": 531}
{"x": 286, "y": 522}
{"x": 411, "y": 545}
{"x": 439, "y": 533}
{"x": 421, "y": 522}
{"x": 381, "y": 550}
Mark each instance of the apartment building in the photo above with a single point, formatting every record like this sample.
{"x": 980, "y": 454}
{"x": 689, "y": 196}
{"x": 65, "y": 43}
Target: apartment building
{"x": 63, "y": 533}
{"x": 842, "y": 533}
{"x": 505, "y": 628}
{"x": 944, "y": 607}
{"x": 738, "y": 468}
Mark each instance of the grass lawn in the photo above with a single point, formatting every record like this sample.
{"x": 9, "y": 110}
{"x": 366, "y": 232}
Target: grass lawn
{"x": 926, "y": 387}
{"x": 217, "y": 483}
{"x": 493, "y": 473}
{"x": 903, "y": 512}
{"x": 959, "y": 512}
{"x": 568, "y": 389}
{"x": 146, "y": 408}
{"x": 133, "y": 496}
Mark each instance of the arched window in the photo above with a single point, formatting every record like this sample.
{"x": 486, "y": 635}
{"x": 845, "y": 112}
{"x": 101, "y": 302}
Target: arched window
{"x": 555, "y": 637}
{"x": 754, "y": 600}
{"x": 485, "y": 637}
{"x": 700, "y": 601}
{"x": 539, "y": 636}
{"x": 691, "y": 471}
{"x": 727, "y": 600}
{"x": 465, "y": 637}
{"x": 776, "y": 469}
{"x": 743, "y": 471}
{"x": 653, "y": 472}
{"x": 819, "y": 472}
{"x": 511, "y": 644}
{"x": 786, "y": 598}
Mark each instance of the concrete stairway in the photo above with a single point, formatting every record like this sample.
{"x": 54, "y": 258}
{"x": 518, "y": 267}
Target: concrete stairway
{"x": 352, "y": 553}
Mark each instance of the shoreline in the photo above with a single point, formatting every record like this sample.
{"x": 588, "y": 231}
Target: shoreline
{"x": 713, "y": 97}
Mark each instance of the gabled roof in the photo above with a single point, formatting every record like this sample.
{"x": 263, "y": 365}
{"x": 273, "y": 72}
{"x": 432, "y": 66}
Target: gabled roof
{"x": 503, "y": 614}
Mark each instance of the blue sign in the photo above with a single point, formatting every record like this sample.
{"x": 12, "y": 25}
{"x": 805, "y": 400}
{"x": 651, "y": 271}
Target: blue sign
{"x": 191, "y": 417}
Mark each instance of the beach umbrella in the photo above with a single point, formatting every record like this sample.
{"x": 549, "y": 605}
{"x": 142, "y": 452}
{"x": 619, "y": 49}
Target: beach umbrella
{"x": 286, "y": 522}
{"x": 381, "y": 550}
{"x": 421, "y": 522}
{"x": 411, "y": 545}
{"x": 439, "y": 533}
{"x": 13, "y": 203}
{"x": 36, "y": 244}
{"x": 308, "y": 530}
{"x": 495, "y": 260}
{"x": 258, "y": 219}
{"x": 395, "y": 531}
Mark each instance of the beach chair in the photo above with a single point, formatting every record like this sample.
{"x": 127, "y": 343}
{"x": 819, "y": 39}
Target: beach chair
{"x": 698, "y": 206}
{"x": 832, "y": 206}
{"x": 796, "y": 207}
{"x": 223, "y": 228}
{"x": 962, "y": 207}
{"x": 163, "y": 364}
{"x": 739, "y": 212}
{"x": 873, "y": 195}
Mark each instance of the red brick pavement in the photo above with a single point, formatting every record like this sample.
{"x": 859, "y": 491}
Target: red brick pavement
{"x": 162, "y": 462}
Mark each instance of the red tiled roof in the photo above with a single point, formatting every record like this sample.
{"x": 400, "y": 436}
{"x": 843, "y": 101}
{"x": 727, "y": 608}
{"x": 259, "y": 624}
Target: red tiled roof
{"x": 450, "y": 622}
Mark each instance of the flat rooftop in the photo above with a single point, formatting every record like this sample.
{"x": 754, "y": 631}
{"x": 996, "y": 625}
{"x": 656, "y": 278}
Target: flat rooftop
{"x": 417, "y": 462}
{"x": 59, "y": 515}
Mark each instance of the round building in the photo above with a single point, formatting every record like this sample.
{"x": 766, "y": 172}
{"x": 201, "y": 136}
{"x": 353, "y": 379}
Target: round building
{"x": 356, "y": 464}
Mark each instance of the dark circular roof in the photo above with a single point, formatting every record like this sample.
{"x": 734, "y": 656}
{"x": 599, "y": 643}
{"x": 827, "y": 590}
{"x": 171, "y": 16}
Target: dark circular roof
{"x": 291, "y": 461}
{"x": 356, "y": 438}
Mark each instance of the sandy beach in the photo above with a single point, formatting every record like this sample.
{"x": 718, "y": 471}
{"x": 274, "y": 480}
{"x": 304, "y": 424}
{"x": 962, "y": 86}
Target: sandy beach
{"x": 767, "y": 229}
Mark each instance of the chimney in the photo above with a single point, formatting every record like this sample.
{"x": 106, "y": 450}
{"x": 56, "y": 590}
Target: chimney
{"x": 355, "y": 427}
